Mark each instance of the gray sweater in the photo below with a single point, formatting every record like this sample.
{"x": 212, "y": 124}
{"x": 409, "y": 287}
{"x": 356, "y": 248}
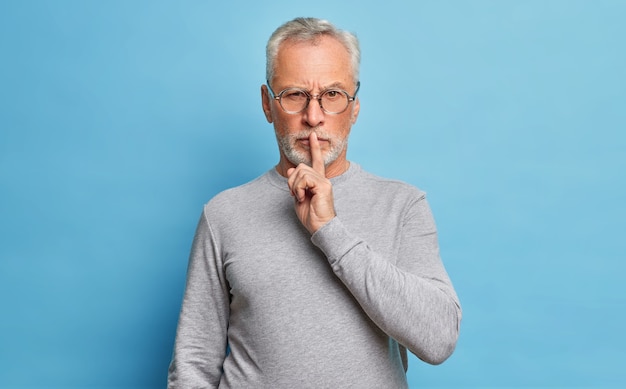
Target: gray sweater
{"x": 267, "y": 305}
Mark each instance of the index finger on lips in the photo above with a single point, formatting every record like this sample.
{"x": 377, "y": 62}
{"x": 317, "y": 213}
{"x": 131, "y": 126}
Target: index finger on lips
{"x": 317, "y": 161}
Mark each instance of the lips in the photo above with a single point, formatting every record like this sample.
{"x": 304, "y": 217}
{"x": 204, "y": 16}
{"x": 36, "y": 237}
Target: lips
{"x": 305, "y": 141}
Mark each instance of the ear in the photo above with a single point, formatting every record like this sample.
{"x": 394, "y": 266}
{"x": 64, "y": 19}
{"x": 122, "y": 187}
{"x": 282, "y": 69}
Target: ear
{"x": 266, "y": 102}
{"x": 355, "y": 110}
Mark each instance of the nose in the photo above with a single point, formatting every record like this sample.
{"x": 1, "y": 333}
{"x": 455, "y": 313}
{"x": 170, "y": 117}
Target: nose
{"x": 313, "y": 113}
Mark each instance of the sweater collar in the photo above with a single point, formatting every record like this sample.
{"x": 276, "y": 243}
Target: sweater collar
{"x": 281, "y": 182}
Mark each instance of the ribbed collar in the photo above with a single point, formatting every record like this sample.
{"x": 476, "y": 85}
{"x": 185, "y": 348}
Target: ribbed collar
{"x": 281, "y": 182}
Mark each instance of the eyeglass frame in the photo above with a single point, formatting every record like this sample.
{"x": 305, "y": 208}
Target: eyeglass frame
{"x": 310, "y": 97}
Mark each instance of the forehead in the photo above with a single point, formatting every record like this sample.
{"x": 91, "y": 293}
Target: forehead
{"x": 322, "y": 61}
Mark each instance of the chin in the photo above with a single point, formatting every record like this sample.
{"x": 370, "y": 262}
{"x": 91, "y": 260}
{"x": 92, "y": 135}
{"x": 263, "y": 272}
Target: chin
{"x": 297, "y": 155}
{"x": 297, "y": 158}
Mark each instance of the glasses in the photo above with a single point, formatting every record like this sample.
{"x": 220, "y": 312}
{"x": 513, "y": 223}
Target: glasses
{"x": 296, "y": 100}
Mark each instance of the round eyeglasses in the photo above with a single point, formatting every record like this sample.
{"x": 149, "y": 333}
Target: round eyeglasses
{"x": 296, "y": 100}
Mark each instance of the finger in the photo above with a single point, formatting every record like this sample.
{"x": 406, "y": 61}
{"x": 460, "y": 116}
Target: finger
{"x": 291, "y": 179}
{"x": 297, "y": 186}
{"x": 298, "y": 189}
{"x": 317, "y": 161}
{"x": 300, "y": 194}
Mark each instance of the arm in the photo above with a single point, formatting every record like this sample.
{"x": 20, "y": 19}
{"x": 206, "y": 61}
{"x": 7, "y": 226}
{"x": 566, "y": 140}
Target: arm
{"x": 409, "y": 297}
{"x": 200, "y": 346}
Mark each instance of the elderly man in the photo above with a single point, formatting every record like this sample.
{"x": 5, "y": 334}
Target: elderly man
{"x": 316, "y": 274}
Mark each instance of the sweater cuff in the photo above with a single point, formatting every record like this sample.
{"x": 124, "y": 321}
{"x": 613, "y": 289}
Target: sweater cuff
{"x": 334, "y": 240}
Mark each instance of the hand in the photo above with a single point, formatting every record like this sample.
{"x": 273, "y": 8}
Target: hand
{"x": 311, "y": 189}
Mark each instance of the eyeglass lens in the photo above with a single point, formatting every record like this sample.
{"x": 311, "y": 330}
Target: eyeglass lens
{"x": 332, "y": 101}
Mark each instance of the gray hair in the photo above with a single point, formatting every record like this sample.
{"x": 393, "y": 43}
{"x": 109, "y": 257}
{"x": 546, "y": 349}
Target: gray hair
{"x": 309, "y": 30}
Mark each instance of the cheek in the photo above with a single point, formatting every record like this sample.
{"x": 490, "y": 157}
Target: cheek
{"x": 286, "y": 124}
{"x": 281, "y": 128}
{"x": 343, "y": 126}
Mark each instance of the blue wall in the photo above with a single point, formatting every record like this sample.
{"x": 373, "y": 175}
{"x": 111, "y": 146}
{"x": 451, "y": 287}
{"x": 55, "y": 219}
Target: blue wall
{"x": 119, "y": 119}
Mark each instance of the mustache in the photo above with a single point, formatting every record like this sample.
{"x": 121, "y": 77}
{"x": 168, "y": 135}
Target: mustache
{"x": 305, "y": 134}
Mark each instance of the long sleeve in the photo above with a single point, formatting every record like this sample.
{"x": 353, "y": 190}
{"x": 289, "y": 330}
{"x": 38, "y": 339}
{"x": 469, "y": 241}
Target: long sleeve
{"x": 302, "y": 311}
{"x": 201, "y": 337}
{"x": 409, "y": 296}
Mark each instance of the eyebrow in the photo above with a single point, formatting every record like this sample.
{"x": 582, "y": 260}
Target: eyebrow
{"x": 334, "y": 85}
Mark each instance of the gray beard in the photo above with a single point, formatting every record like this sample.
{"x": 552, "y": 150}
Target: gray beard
{"x": 287, "y": 145}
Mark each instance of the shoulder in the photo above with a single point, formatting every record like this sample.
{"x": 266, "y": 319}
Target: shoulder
{"x": 365, "y": 193}
{"x": 237, "y": 197}
{"x": 388, "y": 186}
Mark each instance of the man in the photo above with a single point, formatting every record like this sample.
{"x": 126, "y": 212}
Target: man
{"x": 316, "y": 274}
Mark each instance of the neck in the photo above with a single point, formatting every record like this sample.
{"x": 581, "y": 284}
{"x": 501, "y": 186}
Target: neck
{"x": 334, "y": 169}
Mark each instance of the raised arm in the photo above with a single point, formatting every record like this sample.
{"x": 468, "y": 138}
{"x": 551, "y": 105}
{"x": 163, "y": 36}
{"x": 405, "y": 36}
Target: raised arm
{"x": 409, "y": 297}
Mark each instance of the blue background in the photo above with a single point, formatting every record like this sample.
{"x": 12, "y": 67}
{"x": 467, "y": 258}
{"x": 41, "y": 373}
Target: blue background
{"x": 119, "y": 119}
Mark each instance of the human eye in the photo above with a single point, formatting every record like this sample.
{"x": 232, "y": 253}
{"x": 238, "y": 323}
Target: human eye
{"x": 294, "y": 95}
{"x": 333, "y": 94}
